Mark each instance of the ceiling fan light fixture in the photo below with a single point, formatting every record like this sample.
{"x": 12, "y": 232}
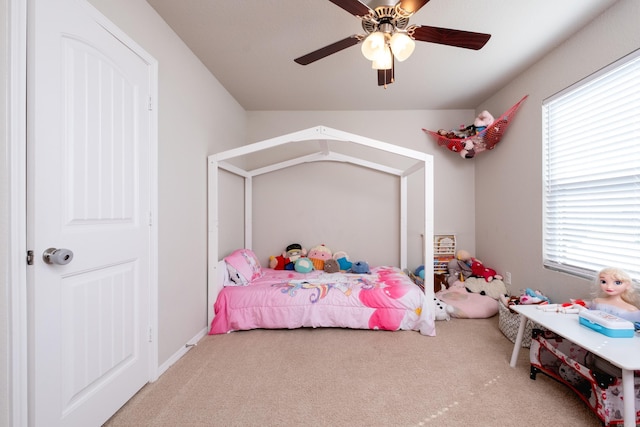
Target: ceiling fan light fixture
{"x": 402, "y": 46}
{"x": 384, "y": 61}
{"x": 373, "y": 46}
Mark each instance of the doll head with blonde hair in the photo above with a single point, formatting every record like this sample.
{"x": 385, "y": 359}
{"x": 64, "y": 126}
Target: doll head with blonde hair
{"x": 613, "y": 283}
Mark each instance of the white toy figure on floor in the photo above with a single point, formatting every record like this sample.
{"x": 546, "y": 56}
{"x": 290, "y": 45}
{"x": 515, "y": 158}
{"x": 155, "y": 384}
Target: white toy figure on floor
{"x": 442, "y": 310}
{"x": 617, "y": 294}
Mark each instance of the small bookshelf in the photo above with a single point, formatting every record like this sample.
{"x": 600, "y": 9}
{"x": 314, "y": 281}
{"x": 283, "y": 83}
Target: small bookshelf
{"x": 444, "y": 250}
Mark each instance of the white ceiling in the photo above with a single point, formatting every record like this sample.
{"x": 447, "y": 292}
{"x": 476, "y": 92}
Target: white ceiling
{"x": 250, "y": 45}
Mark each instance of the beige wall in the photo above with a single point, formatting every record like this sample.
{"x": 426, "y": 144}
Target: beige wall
{"x": 4, "y": 219}
{"x": 508, "y": 182}
{"x": 353, "y": 210}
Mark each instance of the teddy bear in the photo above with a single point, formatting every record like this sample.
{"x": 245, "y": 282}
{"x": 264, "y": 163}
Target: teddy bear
{"x": 477, "y": 267}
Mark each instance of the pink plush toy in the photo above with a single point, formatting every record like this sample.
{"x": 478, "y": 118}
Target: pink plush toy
{"x": 318, "y": 255}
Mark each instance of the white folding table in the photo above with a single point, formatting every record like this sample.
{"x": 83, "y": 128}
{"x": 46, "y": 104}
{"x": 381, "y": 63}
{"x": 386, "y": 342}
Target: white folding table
{"x": 622, "y": 352}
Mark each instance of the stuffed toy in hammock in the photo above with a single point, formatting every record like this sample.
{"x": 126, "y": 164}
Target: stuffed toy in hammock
{"x": 483, "y": 135}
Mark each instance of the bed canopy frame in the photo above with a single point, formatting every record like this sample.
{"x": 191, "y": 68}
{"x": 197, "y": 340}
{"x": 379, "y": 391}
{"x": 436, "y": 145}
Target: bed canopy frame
{"x": 322, "y": 135}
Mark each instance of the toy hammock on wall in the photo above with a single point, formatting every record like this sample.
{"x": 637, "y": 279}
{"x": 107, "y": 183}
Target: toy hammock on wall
{"x": 483, "y": 140}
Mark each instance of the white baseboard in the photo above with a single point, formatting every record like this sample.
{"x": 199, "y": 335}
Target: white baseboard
{"x": 182, "y": 351}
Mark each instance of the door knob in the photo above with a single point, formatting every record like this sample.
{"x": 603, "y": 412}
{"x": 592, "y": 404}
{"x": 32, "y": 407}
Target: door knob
{"x": 57, "y": 256}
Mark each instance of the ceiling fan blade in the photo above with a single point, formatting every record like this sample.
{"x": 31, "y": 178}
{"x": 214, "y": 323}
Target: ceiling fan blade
{"x": 409, "y": 7}
{"x": 458, "y": 38}
{"x": 386, "y": 77}
{"x": 354, "y": 7}
{"x": 328, "y": 50}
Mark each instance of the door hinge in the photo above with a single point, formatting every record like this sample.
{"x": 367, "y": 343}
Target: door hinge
{"x": 29, "y": 257}
{"x": 150, "y": 106}
{"x": 150, "y": 335}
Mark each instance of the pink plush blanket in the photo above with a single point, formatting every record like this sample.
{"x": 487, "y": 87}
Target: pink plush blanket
{"x": 385, "y": 299}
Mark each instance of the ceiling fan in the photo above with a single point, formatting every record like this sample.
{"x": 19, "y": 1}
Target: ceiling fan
{"x": 389, "y": 36}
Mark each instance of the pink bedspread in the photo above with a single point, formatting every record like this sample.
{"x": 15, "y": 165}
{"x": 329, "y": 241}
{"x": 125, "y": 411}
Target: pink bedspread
{"x": 385, "y": 299}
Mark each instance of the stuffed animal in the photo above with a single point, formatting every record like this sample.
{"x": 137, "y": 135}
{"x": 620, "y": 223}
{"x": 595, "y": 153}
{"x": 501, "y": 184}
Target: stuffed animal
{"x": 532, "y": 297}
{"x": 343, "y": 260}
{"x": 458, "y": 269}
{"x": 477, "y": 268}
{"x": 461, "y": 141}
{"x": 464, "y": 147}
{"x": 294, "y": 251}
{"x": 360, "y": 267}
{"x": 331, "y": 266}
{"x": 483, "y": 120}
{"x": 318, "y": 255}
{"x": 303, "y": 265}
{"x": 442, "y": 310}
{"x": 278, "y": 262}
{"x": 288, "y": 258}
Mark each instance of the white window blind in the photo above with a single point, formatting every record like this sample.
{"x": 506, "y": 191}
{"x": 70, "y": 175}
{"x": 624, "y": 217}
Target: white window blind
{"x": 591, "y": 140}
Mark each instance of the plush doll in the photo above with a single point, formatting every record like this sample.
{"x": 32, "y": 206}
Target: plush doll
{"x": 318, "y": 255}
{"x": 477, "y": 268}
{"x": 278, "y": 262}
{"x": 288, "y": 258}
{"x": 343, "y": 260}
{"x": 294, "y": 251}
{"x": 331, "y": 266}
{"x": 303, "y": 265}
{"x": 458, "y": 270}
{"x": 360, "y": 267}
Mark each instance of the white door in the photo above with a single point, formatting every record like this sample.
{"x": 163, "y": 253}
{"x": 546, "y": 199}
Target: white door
{"x": 89, "y": 144}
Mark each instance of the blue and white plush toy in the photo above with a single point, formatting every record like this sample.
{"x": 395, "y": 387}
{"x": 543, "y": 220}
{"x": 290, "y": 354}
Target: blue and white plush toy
{"x": 360, "y": 267}
{"x": 443, "y": 312}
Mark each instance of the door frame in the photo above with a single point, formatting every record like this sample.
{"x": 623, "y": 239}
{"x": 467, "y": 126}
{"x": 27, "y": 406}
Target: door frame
{"x": 17, "y": 125}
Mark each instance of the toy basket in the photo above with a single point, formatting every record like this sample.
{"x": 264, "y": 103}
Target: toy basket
{"x": 509, "y": 322}
{"x": 486, "y": 139}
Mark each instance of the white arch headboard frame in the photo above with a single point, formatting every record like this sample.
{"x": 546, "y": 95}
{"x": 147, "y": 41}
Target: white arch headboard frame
{"x": 321, "y": 134}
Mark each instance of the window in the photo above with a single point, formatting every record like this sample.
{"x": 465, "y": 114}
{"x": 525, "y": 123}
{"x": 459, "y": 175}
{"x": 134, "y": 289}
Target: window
{"x": 591, "y": 140}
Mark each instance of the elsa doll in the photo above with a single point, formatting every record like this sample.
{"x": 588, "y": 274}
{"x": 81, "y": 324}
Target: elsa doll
{"x": 617, "y": 294}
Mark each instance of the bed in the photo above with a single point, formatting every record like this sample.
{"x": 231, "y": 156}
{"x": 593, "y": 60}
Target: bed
{"x": 383, "y": 299}
{"x": 372, "y": 299}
